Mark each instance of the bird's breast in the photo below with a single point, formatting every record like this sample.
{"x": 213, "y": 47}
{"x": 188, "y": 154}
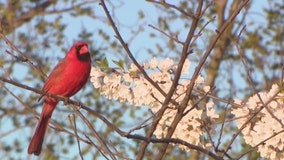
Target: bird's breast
{"x": 70, "y": 79}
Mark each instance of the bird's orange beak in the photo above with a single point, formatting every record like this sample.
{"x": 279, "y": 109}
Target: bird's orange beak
{"x": 84, "y": 50}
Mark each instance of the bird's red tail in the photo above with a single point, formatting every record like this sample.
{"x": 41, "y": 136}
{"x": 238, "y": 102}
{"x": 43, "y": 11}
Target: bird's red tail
{"x": 37, "y": 139}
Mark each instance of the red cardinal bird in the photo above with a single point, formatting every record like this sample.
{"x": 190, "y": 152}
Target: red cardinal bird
{"x": 66, "y": 79}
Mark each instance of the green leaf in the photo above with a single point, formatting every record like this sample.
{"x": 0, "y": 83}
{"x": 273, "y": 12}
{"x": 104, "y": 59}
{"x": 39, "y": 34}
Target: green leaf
{"x": 103, "y": 64}
{"x": 119, "y": 64}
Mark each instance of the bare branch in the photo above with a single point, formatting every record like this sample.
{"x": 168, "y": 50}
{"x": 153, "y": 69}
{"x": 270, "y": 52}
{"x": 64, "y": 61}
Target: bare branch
{"x": 221, "y": 129}
{"x": 166, "y": 4}
{"x": 260, "y": 143}
{"x": 40, "y": 9}
{"x": 181, "y": 108}
{"x": 95, "y": 134}
{"x": 96, "y": 146}
{"x": 174, "y": 38}
{"x": 198, "y": 68}
{"x": 21, "y": 55}
{"x": 125, "y": 46}
{"x": 75, "y": 106}
{"x": 73, "y": 124}
{"x": 55, "y": 126}
{"x": 248, "y": 121}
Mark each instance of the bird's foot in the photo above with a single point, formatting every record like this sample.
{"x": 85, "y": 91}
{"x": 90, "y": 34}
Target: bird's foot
{"x": 66, "y": 100}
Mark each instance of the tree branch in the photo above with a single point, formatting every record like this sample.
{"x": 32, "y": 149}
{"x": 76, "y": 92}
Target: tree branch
{"x": 75, "y": 106}
{"x": 21, "y": 55}
{"x": 184, "y": 55}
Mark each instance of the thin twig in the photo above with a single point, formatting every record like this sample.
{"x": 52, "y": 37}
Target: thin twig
{"x": 96, "y": 146}
{"x": 95, "y": 134}
{"x": 3, "y": 79}
{"x": 174, "y": 38}
{"x": 264, "y": 104}
{"x": 195, "y": 105}
{"x": 221, "y": 129}
{"x": 260, "y": 143}
{"x": 253, "y": 86}
{"x": 152, "y": 140}
{"x": 179, "y": 9}
{"x": 177, "y": 141}
{"x": 73, "y": 124}
{"x": 231, "y": 102}
{"x": 248, "y": 121}
{"x": 130, "y": 55}
{"x": 55, "y": 126}
{"x": 140, "y": 125}
{"x": 21, "y": 55}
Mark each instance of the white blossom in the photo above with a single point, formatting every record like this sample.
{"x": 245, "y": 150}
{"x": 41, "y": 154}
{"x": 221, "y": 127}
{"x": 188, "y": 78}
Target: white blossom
{"x": 265, "y": 125}
{"x": 138, "y": 91}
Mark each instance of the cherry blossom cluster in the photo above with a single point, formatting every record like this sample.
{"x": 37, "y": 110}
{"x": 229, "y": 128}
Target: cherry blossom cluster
{"x": 266, "y": 128}
{"x": 132, "y": 87}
